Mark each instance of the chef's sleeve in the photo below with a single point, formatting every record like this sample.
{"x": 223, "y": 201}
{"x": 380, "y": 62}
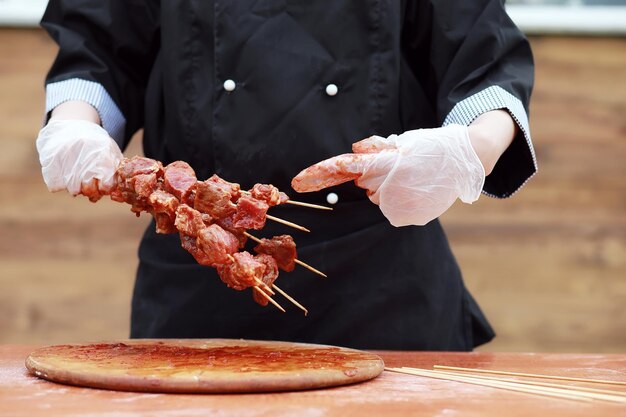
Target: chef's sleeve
{"x": 477, "y": 60}
{"x": 106, "y": 52}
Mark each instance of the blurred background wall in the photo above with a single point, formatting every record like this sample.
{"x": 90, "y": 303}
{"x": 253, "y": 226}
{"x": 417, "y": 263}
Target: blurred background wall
{"x": 548, "y": 266}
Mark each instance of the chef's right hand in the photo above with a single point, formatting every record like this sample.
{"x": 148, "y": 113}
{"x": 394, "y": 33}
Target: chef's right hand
{"x": 78, "y": 156}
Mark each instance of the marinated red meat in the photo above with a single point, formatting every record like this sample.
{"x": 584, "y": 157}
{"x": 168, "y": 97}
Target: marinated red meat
{"x": 164, "y": 202}
{"x": 91, "y": 191}
{"x": 250, "y": 213}
{"x": 214, "y": 198}
{"x": 189, "y": 243}
{"x": 164, "y": 207}
{"x": 188, "y": 221}
{"x": 241, "y": 272}
{"x": 227, "y": 224}
{"x": 124, "y": 193}
{"x": 139, "y": 165}
{"x": 144, "y": 184}
{"x": 136, "y": 179}
{"x": 235, "y": 189}
{"x": 282, "y": 248}
{"x": 267, "y": 193}
{"x": 120, "y": 192}
{"x": 211, "y": 218}
{"x": 180, "y": 180}
{"x": 216, "y": 244}
{"x": 268, "y": 277}
{"x": 207, "y": 219}
{"x": 164, "y": 225}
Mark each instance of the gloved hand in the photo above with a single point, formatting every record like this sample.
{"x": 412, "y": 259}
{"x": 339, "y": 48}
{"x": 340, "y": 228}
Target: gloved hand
{"x": 78, "y": 156}
{"x": 414, "y": 177}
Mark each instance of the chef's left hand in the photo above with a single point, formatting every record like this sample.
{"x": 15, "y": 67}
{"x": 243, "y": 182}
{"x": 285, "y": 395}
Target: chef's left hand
{"x": 413, "y": 177}
{"x": 416, "y": 176}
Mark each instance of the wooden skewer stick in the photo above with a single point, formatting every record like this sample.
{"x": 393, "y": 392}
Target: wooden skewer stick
{"x": 611, "y": 395}
{"x": 298, "y": 261}
{"x": 309, "y": 205}
{"x": 264, "y": 285}
{"x": 492, "y": 384}
{"x": 260, "y": 291}
{"x": 310, "y": 268}
{"x": 287, "y": 223}
{"x": 298, "y": 203}
{"x": 562, "y": 378}
{"x": 268, "y": 298}
{"x": 558, "y": 388}
{"x": 256, "y": 239}
{"x": 293, "y": 301}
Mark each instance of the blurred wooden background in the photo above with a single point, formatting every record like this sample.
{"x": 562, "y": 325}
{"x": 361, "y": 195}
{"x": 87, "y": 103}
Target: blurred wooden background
{"x": 548, "y": 266}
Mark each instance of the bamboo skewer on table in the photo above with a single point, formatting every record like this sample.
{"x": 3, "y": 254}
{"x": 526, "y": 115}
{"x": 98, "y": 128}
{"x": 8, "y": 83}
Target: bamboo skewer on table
{"x": 541, "y": 384}
{"x": 430, "y": 374}
{"x": 565, "y": 392}
{"x": 522, "y": 374}
{"x": 551, "y": 390}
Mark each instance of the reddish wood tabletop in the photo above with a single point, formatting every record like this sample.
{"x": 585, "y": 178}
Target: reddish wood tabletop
{"x": 390, "y": 394}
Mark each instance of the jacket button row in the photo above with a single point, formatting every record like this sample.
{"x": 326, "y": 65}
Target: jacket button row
{"x": 331, "y": 89}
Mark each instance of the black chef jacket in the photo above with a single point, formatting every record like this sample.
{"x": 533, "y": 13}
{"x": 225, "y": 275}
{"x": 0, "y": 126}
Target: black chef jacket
{"x": 398, "y": 65}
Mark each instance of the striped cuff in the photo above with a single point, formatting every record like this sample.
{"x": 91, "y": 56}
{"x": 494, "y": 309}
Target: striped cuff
{"x": 113, "y": 121}
{"x": 493, "y": 98}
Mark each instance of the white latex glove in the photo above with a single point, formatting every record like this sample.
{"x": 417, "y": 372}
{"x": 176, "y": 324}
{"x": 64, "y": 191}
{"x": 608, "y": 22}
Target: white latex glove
{"x": 78, "y": 156}
{"x": 414, "y": 177}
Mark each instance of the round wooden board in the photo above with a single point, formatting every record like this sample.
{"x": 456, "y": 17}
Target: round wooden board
{"x": 203, "y": 365}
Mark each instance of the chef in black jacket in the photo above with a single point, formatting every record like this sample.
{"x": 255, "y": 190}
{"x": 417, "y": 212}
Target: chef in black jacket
{"x": 255, "y": 91}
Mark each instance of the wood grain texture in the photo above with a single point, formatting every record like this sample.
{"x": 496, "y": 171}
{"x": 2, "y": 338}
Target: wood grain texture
{"x": 66, "y": 265}
{"x": 203, "y": 365}
{"x": 547, "y": 265}
{"x": 390, "y": 394}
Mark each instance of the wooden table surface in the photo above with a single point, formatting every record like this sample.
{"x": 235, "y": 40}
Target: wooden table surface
{"x": 390, "y": 394}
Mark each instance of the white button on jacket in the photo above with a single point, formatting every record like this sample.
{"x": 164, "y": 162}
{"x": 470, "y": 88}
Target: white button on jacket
{"x": 229, "y": 85}
{"x": 332, "y": 89}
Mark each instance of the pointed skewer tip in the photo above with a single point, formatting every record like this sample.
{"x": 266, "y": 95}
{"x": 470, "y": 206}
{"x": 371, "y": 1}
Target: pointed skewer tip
{"x": 293, "y": 301}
